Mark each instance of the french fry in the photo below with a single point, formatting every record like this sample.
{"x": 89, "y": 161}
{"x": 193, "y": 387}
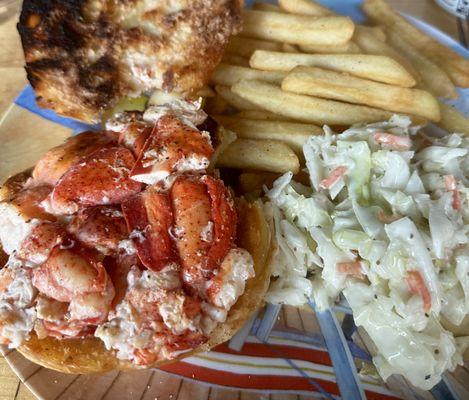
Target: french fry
{"x": 306, "y": 108}
{"x": 348, "y": 48}
{"x": 292, "y": 133}
{"x": 290, "y": 48}
{"x": 263, "y": 155}
{"x": 368, "y": 42}
{"x": 266, "y": 7}
{"x": 244, "y": 47}
{"x": 228, "y": 75}
{"x": 305, "y": 7}
{"x": 261, "y": 115}
{"x": 434, "y": 79}
{"x": 225, "y": 137}
{"x": 377, "y": 68}
{"x": 234, "y": 100}
{"x": 344, "y": 87}
{"x": 235, "y": 59}
{"x": 297, "y": 29}
{"x": 376, "y": 31}
{"x": 206, "y": 91}
{"x": 456, "y": 66}
{"x": 452, "y": 120}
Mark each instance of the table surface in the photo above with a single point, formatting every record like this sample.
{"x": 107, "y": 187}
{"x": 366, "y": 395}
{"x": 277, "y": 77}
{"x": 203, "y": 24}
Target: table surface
{"x": 13, "y": 79}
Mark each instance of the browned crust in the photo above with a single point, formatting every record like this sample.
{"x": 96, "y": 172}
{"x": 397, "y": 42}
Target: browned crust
{"x": 59, "y": 35}
{"x": 81, "y": 356}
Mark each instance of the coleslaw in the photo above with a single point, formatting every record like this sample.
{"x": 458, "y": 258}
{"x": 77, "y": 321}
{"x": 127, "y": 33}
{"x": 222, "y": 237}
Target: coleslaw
{"x": 384, "y": 221}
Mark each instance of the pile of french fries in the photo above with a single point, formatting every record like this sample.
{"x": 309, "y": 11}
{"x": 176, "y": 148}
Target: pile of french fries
{"x": 297, "y": 66}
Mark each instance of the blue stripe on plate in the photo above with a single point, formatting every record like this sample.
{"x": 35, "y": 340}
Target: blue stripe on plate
{"x": 342, "y": 360}
{"x": 350, "y": 8}
{"x": 268, "y": 321}
{"x": 237, "y": 341}
{"x": 27, "y": 100}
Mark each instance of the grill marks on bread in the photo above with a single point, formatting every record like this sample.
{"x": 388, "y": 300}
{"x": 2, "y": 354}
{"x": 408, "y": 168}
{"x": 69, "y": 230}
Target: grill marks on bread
{"x": 84, "y": 55}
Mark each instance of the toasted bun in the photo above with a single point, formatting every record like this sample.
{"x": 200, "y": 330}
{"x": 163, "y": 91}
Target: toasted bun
{"x": 82, "y": 356}
{"x": 83, "y": 56}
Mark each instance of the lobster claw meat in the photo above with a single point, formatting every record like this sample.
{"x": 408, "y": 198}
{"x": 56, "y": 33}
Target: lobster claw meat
{"x": 70, "y": 272}
{"x": 172, "y": 147}
{"x": 149, "y": 219}
{"x": 100, "y": 227}
{"x": 37, "y": 246}
{"x": 29, "y": 201}
{"x": 101, "y": 178}
{"x": 50, "y": 168}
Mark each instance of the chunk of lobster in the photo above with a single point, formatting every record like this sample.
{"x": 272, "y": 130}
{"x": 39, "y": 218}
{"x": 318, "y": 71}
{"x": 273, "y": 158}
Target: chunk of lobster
{"x": 193, "y": 227}
{"x": 18, "y": 215}
{"x": 49, "y": 309}
{"x": 184, "y": 342}
{"x": 149, "y": 219}
{"x": 66, "y": 329}
{"x": 100, "y": 227}
{"x": 92, "y": 308}
{"x": 101, "y": 178}
{"x": 42, "y": 239}
{"x": 172, "y": 147}
{"x": 224, "y": 289}
{"x": 224, "y": 220}
{"x": 69, "y": 273}
{"x": 118, "y": 269}
{"x": 7, "y": 275}
{"x": 134, "y": 136}
{"x": 148, "y": 290}
{"x": 205, "y": 226}
{"x": 50, "y": 168}
{"x": 29, "y": 202}
{"x": 69, "y": 319}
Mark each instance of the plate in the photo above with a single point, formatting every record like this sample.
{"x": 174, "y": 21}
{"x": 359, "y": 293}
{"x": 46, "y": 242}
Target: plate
{"x": 281, "y": 354}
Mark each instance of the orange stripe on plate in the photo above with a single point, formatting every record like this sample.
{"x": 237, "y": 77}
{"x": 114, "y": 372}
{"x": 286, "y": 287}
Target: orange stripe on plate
{"x": 277, "y": 351}
{"x": 258, "y": 382}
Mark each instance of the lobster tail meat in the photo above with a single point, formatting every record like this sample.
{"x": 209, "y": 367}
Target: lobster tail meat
{"x": 149, "y": 219}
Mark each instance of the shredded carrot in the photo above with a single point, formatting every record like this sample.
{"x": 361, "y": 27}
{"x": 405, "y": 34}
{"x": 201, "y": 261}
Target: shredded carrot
{"x": 451, "y": 186}
{"x": 352, "y": 268}
{"x": 333, "y": 177}
{"x": 394, "y": 142}
{"x": 417, "y": 286}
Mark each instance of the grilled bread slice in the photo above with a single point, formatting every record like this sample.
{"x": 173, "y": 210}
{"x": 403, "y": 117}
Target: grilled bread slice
{"x": 82, "y": 56}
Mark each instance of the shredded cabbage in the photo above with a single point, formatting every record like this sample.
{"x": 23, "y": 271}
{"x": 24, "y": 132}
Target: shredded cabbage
{"x": 386, "y": 224}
